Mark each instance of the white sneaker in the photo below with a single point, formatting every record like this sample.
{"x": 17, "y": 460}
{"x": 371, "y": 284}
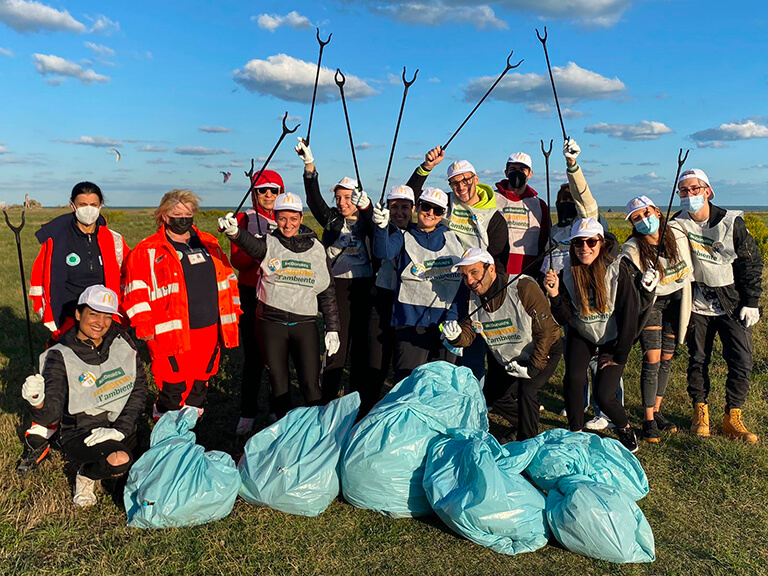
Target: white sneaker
{"x": 541, "y": 408}
{"x": 244, "y": 426}
{"x": 84, "y": 494}
{"x": 599, "y": 423}
{"x": 564, "y": 412}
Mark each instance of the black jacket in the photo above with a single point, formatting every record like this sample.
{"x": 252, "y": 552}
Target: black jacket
{"x": 256, "y": 248}
{"x": 56, "y": 402}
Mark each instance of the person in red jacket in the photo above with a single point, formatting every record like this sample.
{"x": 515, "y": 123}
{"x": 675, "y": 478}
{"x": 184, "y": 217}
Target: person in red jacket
{"x": 259, "y": 220}
{"x": 181, "y": 295}
{"x": 77, "y": 250}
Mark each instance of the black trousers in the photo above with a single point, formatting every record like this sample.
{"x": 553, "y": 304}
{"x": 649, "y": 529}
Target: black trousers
{"x": 737, "y": 353}
{"x": 253, "y": 365}
{"x": 380, "y": 349}
{"x": 605, "y": 385}
{"x": 353, "y": 297}
{"x": 300, "y": 342}
{"x": 94, "y": 458}
{"x": 417, "y": 345}
{"x": 517, "y": 399}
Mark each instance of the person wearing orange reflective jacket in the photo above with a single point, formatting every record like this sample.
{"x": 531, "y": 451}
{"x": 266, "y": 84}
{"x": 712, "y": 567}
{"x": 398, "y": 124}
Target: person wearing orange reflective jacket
{"x": 181, "y": 295}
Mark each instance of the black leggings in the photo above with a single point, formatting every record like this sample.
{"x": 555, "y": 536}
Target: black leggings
{"x": 278, "y": 341}
{"x": 253, "y": 365}
{"x": 605, "y": 386}
{"x": 94, "y": 458}
{"x": 417, "y": 345}
{"x": 381, "y": 345}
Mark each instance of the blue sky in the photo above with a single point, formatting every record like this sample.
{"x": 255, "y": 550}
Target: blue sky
{"x": 185, "y": 90}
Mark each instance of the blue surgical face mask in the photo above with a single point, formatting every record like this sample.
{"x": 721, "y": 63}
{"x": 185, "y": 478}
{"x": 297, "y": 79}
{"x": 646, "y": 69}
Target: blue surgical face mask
{"x": 693, "y": 204}
{"x": 648, "y": 225}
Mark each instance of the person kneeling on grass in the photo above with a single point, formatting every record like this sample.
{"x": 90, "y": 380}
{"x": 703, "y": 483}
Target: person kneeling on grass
{"x": 94, "y": 382}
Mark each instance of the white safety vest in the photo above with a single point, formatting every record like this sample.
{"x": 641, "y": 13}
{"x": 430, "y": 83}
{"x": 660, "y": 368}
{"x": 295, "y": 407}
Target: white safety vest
{"x": 349, "y": 255}
{"x": 98, "y": 388}
{"x": 508, "y": 330}
{"x": 599, "y": 327}
{"x": 712, "y": 249}
{"x": 561, "y": 256}
{"x": 469, "y": 223}
{"x": 258, "y": 224}
{"x": 673, "y": 275}
{"x": 291, "y": 281}
{"x": 524, "y": 219}
{"x": 428, "y": 278}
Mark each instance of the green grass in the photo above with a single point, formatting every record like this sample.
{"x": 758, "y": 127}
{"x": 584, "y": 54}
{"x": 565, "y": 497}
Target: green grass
{"x": 708, "y": 504}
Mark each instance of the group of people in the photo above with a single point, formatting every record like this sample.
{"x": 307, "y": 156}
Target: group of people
{"x": 477, "y": 276}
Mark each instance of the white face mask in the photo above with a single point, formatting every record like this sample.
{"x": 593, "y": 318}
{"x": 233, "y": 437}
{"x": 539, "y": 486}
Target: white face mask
{"x": 87, "y": 215}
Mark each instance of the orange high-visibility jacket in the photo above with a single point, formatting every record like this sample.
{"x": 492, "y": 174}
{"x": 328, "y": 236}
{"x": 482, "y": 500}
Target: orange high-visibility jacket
{"x": 155, "y": 294}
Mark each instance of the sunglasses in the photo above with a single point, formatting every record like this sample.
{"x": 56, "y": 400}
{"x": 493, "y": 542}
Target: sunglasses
{"x": 590, "y": 242}
{"x": 436, "y": 210}
{"x": 262, "y": 191}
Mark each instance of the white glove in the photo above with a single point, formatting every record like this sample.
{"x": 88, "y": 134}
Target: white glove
{"x": 380, "y": 216}
{"x": 748, "y": 316}
{"x": 33, "y": 390}
{"x": 99, "y": 435}
{"x": 332, "y": 343}
{"x": 304, "y": 151}
{"x": 571, "y": 149}
{"x": 451, "y": 330}
{"x": 360, "y": 199}
{"x": 650, "y": 279}
{"x": 228, "y": 224}
{"x": 514, "y": 369}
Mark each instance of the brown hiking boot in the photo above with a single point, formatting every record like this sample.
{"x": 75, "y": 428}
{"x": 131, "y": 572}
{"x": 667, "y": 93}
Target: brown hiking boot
{"x": 700, "y": 424}
{"x": 734, "y": 427}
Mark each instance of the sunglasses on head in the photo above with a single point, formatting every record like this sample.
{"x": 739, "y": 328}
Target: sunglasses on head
{"x": 579, "y": 242}
{"x": 436, "y": 210}
{"x": 262, "y": 191}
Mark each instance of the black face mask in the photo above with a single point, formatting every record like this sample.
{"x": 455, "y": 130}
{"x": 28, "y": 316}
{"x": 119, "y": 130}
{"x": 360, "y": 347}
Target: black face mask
{"x": 179, "y": 225}
{"x": 517, "y": 178}
{"x": 566, "y": 212}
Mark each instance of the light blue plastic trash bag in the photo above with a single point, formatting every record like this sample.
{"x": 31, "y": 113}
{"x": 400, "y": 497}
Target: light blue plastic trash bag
{"x": 293, "y": 465}
{"x": 562, "y": 453}
{"x": 176, "y": 482}
{"x": 382, "y": 466}
{"x": 599, "y": 521}
{"x": 471, "y": 489}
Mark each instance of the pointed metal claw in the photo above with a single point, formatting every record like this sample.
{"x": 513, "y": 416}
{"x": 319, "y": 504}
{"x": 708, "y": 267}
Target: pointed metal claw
{"x": 511, "y": 66}
{"x": 320, "y": 41}
{"x": 407, "y": 83}
{"x": 544, "y": 38}
{"x": 339, "y": 83}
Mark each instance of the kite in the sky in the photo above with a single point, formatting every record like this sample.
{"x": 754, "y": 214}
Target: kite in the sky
{"x": 226, "y": 176}
{"x": 117, "y": 154}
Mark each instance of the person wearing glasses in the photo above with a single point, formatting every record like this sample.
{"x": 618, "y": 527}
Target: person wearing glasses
{"x": 668, "y": 268}
{"x": 727, "y": 273}
{"x": 601, "y": 305}
{"x": 346, "y": 236}
{"x": 522, "y": 336}
{"x": 258, "y": 220}
{"x": 428, "y": 289}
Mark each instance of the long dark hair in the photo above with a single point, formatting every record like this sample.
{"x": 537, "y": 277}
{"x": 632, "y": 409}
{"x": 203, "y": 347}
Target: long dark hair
{"x": 591, "y": 279}
{"x": 648, "y": 250}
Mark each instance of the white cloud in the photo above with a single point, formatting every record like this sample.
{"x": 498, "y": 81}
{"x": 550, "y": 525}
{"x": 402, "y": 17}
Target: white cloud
{"x": 643, "y": 130}
{"x": 574, "y": 84}
{"x": 100, "y": 49}
{"x": 6, "y": 52}
{"x": 50, "y": 65}
{"x": 543, "y": 109}
{"x": 272, "y": 22}
{"x": 292, "y": 80}
{"x": 438, "y": 13}
{"x": 648, "y": 177}
{"x": 159, "y": 161}
{"x": 215, "y": 129}
{"x": 29, "y": 16}
{"x": 199, "y": 151}
{"x": 3, "y": 149}
{"x": 366, "y": 146}
{"x": 96, "y": 141}
{"x": 434, "y": 80}
{"x": 743, "y": 130}
{"x": 103, "y": 25}
{"x": 150, "y": 148}
{"x": 713, "y": 144}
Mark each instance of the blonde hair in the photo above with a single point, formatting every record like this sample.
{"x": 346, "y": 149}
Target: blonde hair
{"x": 176, "y": 197}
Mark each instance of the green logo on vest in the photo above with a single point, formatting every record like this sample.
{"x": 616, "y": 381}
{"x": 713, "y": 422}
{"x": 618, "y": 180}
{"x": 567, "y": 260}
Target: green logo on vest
{"x": 72, "y": 259}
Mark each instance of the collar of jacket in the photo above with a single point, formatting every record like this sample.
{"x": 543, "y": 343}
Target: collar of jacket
{"x": 495, "y": 294}
{"x": 61, "y": 225}
{"x": 503, "y": 188}
{"x": 301, "y": 242}
{"x": 487, "y": 197}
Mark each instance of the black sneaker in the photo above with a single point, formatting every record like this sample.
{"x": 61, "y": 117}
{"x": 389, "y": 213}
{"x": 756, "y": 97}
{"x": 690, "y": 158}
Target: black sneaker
{"x": 663, "y": 424}
{"x": 627, "y": 438}
{"x": 36, "y": 448}
{"x": 651, "y": 432}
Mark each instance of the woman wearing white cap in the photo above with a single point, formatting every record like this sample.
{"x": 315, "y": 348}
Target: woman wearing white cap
{"x": 429, "y": 290}
{"x": 601, "y": 306}
{"x": 667, "y": 320}
{"x": 346, "y": 237}
{"x": 295, "y": 281}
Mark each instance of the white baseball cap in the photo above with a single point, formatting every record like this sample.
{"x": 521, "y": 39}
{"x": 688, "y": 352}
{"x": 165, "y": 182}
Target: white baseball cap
{"x": 460, "y": 167}
{"x": 586, "y": 228}
{"x": 288, "y": 201}
{"x": 346, "y": 182}
{"x": 401, "y": 192}
{"x": 100, "y": 298}
{"x": 472, "y": 256}
{"x": 696, "y": 173}
{"x": 434, "y": 196}
{"x": 638, "y": 203}
{"x": 520, "y": 158}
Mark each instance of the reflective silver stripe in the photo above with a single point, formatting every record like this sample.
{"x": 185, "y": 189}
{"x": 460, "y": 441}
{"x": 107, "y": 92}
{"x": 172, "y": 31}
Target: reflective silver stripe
{"x": 167, "y": 326}
{"x": 140, "y": 307}
{"x": 153, "y": 278}
{"x": 236, "y": 300}
{"x": 228, "y": 318}
{"x": 35, "y": 290}
{"x": 118, "y": 240}
{"x": 223, "y": 285}
{"x": 164, "y": 291}
{"x": 50, "y": 325}
{"x": 233, "y": 277}
{"x": 136, "y": 285}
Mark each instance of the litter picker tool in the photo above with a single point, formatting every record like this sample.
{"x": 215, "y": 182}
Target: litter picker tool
{"x": 406, "y": 84}
{"x": 680, "y": 161}
{"x": 317, "y": 79}
{"x": 543, "y": 40}
{"x": 340, "y": 80}
{"x": 547, "y": 153}
{"x": 509, "y": 67}
{"x": 17, "y": 232}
